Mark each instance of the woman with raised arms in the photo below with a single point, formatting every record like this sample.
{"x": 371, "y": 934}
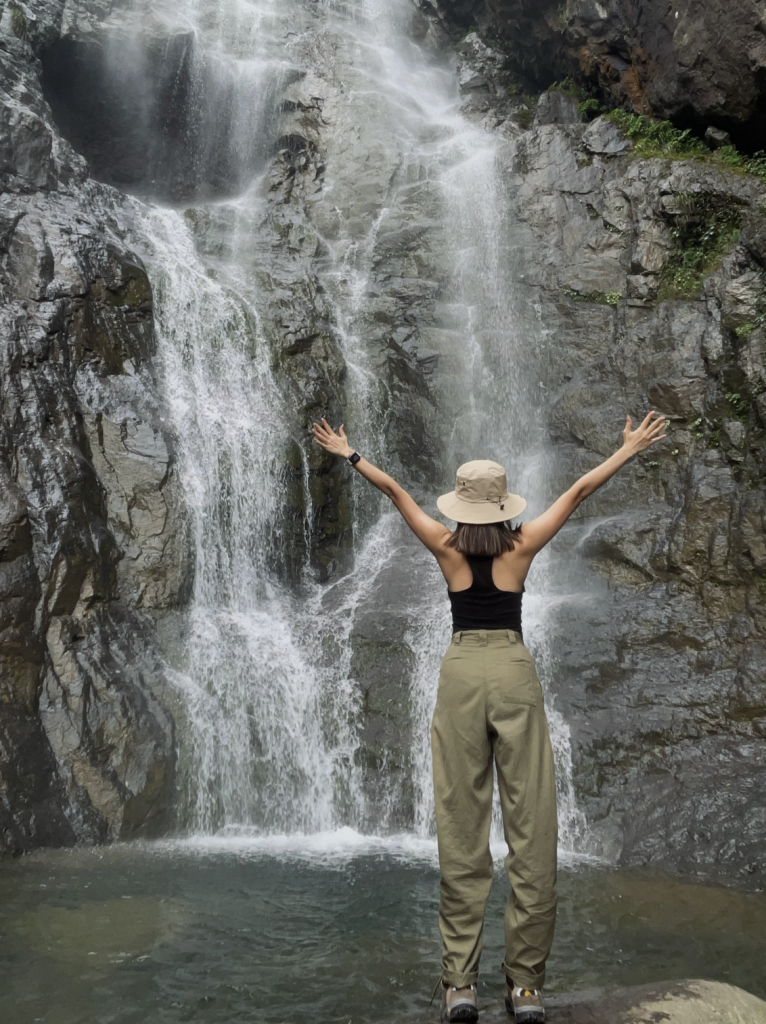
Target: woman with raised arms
{"x": 489, "y": 708}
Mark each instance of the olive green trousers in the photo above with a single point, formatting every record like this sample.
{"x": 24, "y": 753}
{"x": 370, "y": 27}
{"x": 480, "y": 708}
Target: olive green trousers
{"x": 490, "y": 709}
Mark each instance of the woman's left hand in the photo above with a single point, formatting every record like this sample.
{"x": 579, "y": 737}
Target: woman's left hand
{"x": 336, "y": 444}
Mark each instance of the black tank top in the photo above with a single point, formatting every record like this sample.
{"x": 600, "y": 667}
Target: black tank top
{"x": 483, "y": 605}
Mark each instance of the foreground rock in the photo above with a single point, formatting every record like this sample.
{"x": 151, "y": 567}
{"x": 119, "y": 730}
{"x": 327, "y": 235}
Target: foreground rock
{"x": 678, "y": 1002}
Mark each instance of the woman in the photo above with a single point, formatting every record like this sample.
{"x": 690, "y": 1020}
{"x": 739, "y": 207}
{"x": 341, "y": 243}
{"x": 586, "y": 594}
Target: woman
{"x": 489, "y": 709}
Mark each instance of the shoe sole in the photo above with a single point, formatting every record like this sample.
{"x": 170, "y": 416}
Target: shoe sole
{"x": 461, "y": 1015}
{"x": 525, "y": 1016}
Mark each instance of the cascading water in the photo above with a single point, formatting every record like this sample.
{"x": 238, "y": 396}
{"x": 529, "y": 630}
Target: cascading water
{"x": 274, "y": 707}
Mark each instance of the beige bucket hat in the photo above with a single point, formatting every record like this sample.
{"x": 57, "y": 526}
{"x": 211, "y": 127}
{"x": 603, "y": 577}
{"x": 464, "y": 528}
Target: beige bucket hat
{"x": 481, "y": 495}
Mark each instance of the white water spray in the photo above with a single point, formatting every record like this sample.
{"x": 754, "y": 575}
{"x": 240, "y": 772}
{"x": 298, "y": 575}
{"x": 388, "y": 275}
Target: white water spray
{"x": 274, "y": 712}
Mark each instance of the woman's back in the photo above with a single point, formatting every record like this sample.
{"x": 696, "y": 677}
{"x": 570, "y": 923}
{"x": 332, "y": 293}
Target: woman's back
{"x": 484, "y": 605}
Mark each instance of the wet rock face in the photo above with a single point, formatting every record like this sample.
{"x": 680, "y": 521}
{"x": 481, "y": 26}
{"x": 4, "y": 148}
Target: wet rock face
{"x": 150, "y": 116}
{"x": 93, "y": 531}
{"x": 661, "y": 661}
{"x": 695, "y": 62}
{"x": 661, "y": 671}
{"x": 92, "y": 536}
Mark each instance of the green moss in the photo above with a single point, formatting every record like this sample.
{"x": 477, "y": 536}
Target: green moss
{"x": 598, "y": 298}
{"x": 706, "y": 229}
{"x": 562, "y": 17}
{"x": 730, "y": 157}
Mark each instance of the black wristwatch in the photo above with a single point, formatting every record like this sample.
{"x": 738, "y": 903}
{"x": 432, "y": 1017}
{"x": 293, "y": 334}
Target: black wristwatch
{"x": 354, "y": 457}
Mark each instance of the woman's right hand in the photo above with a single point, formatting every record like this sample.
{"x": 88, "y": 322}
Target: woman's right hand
{"x": 336, "y": 444}
{"x": 645, "y": 435}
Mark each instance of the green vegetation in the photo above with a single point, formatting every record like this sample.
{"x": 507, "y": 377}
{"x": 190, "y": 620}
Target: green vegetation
{"x": 730, "y": 157}
{"x": 590, "y": 109}
{"x": 707, "y": 430}
{"x": 697, "y": 428}
{"x": 599, "y": 298}
{"x": 568, "y": 87}
{"x": 651, "y": 137}
{"x": 736, "y": 405}
{"x": 18, "y": 21}
{"x": 654, "y": 138}
{"x": 705, "y": 230}
{"x": 523, "y": 116}
{"x": 757, "y": 324}
{"x": 739, "y": 404}
{"x": 562, "y": 17}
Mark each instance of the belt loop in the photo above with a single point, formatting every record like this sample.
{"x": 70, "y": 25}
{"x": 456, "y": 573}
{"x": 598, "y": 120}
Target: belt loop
{"x": 456, "y": 638}
{"x": 512, "y": 636}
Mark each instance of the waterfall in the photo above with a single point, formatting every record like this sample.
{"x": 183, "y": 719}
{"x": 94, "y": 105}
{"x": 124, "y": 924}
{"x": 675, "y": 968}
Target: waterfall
{"x": 271, "y": 734}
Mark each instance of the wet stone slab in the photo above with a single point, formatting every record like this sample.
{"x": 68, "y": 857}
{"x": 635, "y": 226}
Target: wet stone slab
{"x": 679, "y": 1002}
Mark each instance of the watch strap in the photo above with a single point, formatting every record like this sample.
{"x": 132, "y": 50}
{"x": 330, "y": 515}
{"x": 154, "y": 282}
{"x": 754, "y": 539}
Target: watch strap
{"x": 354, "y": 457}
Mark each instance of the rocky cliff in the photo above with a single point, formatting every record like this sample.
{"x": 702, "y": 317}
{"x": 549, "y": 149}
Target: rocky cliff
{"x": 694, "y": 61}
{"x": 92, "y": 537}
{"x": 640, "y": 255}
{"x": 98, "y": 563}
{"x": 644, "y": 262}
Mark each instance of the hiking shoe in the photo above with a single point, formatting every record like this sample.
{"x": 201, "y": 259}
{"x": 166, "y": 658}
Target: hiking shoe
{"x": 525, "y": 1004}
{"x": 459, "y": 1004}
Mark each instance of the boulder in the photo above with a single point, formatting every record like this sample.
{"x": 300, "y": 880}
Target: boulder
{"x": 674, "y": 1002}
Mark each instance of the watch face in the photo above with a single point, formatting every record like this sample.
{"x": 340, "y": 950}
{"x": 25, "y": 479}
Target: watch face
{"x": 353, "y": 459}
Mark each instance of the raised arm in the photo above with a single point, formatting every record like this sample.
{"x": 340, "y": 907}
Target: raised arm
{"x": 434, "y": 535}
{"x": 536, "y": 534}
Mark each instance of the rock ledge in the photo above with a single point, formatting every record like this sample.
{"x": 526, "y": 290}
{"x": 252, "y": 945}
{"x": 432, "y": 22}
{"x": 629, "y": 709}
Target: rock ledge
{"x": 675, "y": 1002}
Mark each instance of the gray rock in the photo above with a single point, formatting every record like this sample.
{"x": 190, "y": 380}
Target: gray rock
{"x": 556, "y": 107}
{"x": 717, "y": 137}
{"x": 669, "y": 61}
{"x": 92, "y": 533}
{"x": 675, "y": 1002}
{"x": 667, "y": 771}
{"x": 604, "y": 137}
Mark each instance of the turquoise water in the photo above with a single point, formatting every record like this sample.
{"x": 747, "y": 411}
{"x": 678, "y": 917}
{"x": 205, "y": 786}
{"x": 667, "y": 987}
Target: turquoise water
{"x": 262, "y": 932}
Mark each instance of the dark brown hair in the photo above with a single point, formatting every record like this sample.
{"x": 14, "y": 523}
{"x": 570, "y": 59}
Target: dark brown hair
{"x": 491, "y": 539}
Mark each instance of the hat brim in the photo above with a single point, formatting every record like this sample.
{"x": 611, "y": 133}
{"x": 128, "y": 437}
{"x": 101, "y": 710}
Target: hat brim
{"x": 479, "y": 513}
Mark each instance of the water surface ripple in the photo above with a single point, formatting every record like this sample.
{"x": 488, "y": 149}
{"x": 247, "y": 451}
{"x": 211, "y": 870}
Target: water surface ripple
{"x": 342, "y": 928}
